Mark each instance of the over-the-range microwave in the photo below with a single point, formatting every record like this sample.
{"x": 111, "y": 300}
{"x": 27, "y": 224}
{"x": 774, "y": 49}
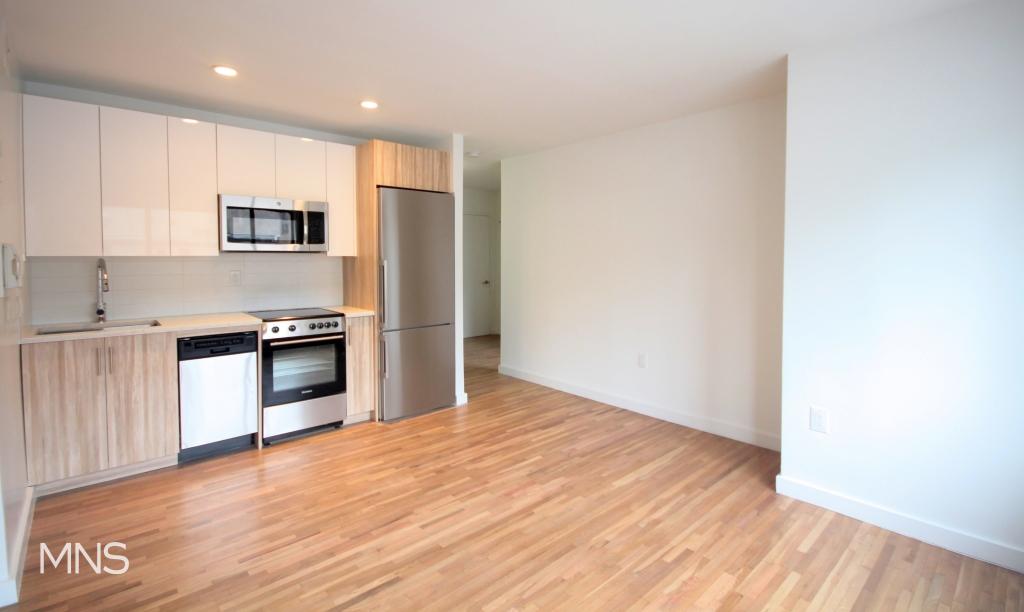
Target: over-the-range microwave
{"x": 254, "y": 223}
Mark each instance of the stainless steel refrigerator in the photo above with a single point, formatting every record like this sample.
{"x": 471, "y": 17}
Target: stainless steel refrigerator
{"x": 417, "y": 301}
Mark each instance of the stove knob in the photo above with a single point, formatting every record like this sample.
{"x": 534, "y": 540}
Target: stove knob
{"x": 275, "y": 329}
{"x": 312, "y": 325}
{"x": 291, "y": 328}
{"x": 320, "y": 325}
{"x": 335, "y": 324}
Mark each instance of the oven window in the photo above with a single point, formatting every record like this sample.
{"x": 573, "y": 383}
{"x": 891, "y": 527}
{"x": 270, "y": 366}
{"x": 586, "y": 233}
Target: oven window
{"x": 303, "y": 367}
{"x": 263, "y": 226}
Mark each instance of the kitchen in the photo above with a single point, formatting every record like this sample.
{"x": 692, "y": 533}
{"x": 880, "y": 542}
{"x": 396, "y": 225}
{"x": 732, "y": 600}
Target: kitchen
{"x": 462, "y": 306}
{"x": 186, "y": 293}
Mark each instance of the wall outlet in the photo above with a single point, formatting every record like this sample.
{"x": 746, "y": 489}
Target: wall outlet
{"x": 819, "y": 420}
{"x": 236, "y": 278}
{"x": 641, "y": 360}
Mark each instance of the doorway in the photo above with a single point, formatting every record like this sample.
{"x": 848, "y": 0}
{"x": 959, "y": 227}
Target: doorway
{"x": 478, "y": 271}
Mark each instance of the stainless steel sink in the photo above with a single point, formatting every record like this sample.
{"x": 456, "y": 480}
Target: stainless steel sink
{"x": 76, "y": 328}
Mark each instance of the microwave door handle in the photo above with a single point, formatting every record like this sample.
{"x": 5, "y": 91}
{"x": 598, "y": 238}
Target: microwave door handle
{"x": 304, "y": 241}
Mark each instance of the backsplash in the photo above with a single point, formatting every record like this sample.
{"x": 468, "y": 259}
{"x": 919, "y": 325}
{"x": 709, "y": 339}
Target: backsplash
{"x": 63, "y": 289}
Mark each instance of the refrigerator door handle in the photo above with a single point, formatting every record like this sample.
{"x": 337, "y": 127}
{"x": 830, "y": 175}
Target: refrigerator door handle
{"x": 383, "y": 291}
{"x": 384, "y": 355}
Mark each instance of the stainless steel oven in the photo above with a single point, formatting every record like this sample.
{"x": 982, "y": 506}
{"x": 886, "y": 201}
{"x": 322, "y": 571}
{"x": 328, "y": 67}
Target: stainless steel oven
{"x": 303, "y": 367}
{"x": 252, "y": 223}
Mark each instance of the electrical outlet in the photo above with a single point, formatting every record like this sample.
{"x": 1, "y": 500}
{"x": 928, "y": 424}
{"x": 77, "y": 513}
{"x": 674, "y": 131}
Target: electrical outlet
{"x": 236, "y": 278}
{"x": 641, "y": 360}
{"x": 819, "y": 420}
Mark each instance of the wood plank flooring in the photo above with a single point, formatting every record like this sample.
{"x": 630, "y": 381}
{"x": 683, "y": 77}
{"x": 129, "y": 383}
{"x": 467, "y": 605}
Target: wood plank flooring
{"x": 527, "y": 499}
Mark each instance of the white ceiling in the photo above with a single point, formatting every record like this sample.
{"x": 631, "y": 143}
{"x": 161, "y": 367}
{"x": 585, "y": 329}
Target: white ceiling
{"x": 514, "y": 77}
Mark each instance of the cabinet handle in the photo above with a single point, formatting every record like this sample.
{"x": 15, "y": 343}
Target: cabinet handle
{"x": 110, "y": 360}
{"x": 99, "y": 362}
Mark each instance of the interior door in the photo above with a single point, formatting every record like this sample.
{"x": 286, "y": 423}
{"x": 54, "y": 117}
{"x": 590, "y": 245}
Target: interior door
{"x": 417, "y": 244}
{"x": 478, "y": 300}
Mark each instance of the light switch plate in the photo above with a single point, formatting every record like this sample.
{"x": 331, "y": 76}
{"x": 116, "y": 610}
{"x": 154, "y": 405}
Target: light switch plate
{"x": 819, "y": 420}
{"x": 11, "y": 268}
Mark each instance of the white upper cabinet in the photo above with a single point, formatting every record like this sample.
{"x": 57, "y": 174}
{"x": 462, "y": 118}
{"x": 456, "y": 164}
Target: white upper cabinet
{"x": 62, "y": 177}
{"x": 245, "y": 162}
{"x": 341, "y": 199}
{"x": 133, "y": 152}
{"x": 300, "y": 168}
{"x": 192, "y": 157}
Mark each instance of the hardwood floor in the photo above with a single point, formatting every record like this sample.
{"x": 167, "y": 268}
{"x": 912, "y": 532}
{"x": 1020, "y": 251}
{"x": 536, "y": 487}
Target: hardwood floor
{"x": 527, "y": 498}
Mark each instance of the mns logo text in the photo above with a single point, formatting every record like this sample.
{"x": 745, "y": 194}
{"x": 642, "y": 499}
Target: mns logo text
{"x": 104, "y": 553}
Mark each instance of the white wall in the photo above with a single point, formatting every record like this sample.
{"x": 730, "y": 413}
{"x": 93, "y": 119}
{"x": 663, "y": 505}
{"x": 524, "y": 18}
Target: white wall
{"x": 904, "y": 294}
{"x": 664, "y": 240}
{"x": 487, "y": 203}
{"x": 14, "y": 493}
{"x": 64, "y": 288}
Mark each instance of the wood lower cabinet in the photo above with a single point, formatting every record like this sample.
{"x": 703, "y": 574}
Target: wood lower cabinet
{"x": 360, "y": 373}
{"x": 96, "y": 404}
{"x": 64, "y": 386}
{"x": 142, "y": 398}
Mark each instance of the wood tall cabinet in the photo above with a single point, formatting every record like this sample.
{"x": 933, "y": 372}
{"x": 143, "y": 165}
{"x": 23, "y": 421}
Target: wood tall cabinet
{"x": 99, "y": 403}
{"x": 360, "y": 375}
{"x": 384, "y": 164}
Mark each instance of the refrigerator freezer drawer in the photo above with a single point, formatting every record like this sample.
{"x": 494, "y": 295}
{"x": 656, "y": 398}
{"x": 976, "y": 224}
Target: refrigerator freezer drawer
{"x": 418, "y": 372}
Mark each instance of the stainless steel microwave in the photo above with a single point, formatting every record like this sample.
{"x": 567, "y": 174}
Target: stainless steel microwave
{"x": 253, "y": 223}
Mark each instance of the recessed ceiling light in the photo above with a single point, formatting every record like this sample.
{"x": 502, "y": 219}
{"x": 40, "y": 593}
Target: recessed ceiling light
{"x": 473, "y": 154}
{"x": 226, "y": 71}
{"x": 304, "y": 139}
{"x": 190, "y": 121}
{"x": 369, "y": 104}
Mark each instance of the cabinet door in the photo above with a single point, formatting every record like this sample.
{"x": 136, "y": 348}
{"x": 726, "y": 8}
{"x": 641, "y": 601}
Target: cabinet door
{"x": 399, "y": 165}
{"x": 341, "y": 199}
{"x": 245, "y": 162}
{"x": 62, "y": 177}
{"x": 65, "y": 409}
{"x": 300, "y": 168}
{"x": 360, "y": 373}
{"x": 133, "y": 156}
{"x": 192, "y": 178}
{"x": 142, "y": 398}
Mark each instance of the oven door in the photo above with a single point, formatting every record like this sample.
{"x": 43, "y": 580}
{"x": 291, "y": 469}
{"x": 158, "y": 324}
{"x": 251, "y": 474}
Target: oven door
{"x": 299, "y": 369}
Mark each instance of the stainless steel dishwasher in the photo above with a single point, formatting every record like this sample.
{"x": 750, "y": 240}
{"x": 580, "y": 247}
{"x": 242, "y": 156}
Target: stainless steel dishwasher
{"x": 218, "y": 389}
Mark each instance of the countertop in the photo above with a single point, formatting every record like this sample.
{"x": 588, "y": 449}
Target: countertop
{"x": 351, "y": 311}
{"x": 188, "y": 324}
{"x": 181, "y": 325}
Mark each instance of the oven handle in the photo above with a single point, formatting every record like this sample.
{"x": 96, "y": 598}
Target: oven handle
{"x": 307, "y": 340}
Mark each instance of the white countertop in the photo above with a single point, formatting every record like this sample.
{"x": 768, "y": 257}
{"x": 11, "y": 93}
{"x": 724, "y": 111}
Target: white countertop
{"x": 216, "y": 323}
{"x": 187, "y": 324}
{"x": 351, "y": 311}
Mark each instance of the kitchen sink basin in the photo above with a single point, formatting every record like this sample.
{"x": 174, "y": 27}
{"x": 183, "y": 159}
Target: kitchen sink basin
{"x": 77, "y": 328}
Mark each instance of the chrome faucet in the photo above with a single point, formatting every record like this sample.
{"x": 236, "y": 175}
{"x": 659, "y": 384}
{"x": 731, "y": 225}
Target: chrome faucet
{"x": 102, "y": 286}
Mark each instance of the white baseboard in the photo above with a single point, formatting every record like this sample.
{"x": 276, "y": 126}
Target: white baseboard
{"x": 708, "y": 424}
{"x": 11, "y": 585}
{"x": 974, "y": 546}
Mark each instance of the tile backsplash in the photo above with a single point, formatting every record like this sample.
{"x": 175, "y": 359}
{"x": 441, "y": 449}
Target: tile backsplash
{"x": 63, "y": 289}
